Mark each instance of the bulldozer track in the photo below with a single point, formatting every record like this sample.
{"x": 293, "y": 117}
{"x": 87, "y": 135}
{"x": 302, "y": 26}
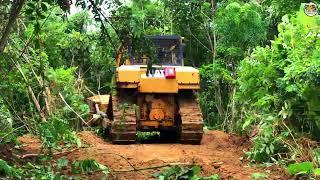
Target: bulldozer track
{"x": 123, "y": 126}
{"x": 191, "y": 127}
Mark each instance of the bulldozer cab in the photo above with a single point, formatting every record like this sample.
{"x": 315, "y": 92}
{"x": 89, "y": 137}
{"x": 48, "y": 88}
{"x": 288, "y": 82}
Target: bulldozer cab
{"x": 169, "y": 51}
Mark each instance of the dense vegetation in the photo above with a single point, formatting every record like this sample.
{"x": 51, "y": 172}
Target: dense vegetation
{"x": 259, "y": 63}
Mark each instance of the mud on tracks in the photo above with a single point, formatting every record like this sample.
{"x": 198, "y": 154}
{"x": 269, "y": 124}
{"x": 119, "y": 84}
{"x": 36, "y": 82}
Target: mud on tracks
{"x": 219, "y": 153}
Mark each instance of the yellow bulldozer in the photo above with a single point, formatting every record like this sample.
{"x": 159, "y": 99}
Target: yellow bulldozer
{"x": 162, "y": 99}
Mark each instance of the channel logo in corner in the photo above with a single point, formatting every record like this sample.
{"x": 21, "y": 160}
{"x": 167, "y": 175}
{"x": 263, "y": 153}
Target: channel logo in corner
{"x": 311, "y": 9}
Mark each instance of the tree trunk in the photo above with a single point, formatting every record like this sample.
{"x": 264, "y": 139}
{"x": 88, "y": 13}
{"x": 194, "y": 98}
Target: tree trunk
{"x": 214, "y": 32}
{"x": 14, "y": 13}
{"x": 37, "y": 104}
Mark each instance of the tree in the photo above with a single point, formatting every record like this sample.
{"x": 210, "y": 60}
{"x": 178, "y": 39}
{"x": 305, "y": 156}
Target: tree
{"x": 15, "y": 9}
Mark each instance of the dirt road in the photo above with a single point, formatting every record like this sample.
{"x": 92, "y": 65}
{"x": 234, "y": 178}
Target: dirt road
{"x": 219, "y": 153}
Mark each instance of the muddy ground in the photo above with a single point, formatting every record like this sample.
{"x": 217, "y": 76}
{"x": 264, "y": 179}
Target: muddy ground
{"x": 219, "y": 153}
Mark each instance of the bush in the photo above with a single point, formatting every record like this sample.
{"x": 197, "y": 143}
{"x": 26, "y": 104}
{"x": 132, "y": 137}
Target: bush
{"x": 63, "y": 81}
{"x": 282, "y": 82}
{"x": 215, "y": 79}
{"x": 5, "y": 123}
{"x": 89, "y": 166}
{"x": 56, "y": 131}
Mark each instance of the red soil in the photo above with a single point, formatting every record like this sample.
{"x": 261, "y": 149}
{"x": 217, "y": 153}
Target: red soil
{"x": 219, "y": 153}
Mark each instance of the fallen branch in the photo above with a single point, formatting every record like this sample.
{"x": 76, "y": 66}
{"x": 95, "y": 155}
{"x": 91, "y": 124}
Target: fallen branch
{"x": 125, "y": 158}
{"x": 65, "y": 102}
{"x": 37, "y": 104}
{"x": 86, "y": 87}
{"x": 2, "y": 138}
{"x": 134, "y": 169}
{"x": 54, "y": 154}
{"x": 143, "y": 168}
{"x": 17, "y": 116}
{"x": 152, "y": 167}
{"x": 30, "y": 91}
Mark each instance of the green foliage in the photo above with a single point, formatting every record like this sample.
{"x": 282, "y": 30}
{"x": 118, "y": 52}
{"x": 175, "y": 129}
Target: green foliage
{"x": 278, "y": 85}
{"x": 144, "y": 136}
{"x": 62, "y": 162}
{"x": 5, "y": 118}
{"x": 61, "y": 78}
{"x": 304, "y": 170}
{"x": 181, "y": 172}
{"x": 215, "y": 79}
{"x": 37, "y": 11}
{"x": 56, "y": 131}
{"x": 6, "y": 122}
{"x": 316, "y": 156}
{"x": 55, "y": 55}
{"x": 139, "y": 18}
{"x": 279, "y": 8}
{"x": 241, "y": 25}
{"x": 8, "y": 171}
{"x": 77, "y": 43}
{"x": 259, "y": 176}
{"x": 194, "y": 20}
{"x": 28, "y": 171}
{"x": 89, "y": 165}
{"x": 49, "y": 56}
{"x": 283, "y": 74}
{"x": 41, "y": 172}
{"x": 63, "y": 81}
{"x": 300, "y": 168}
{"x": 268, "y": 143}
